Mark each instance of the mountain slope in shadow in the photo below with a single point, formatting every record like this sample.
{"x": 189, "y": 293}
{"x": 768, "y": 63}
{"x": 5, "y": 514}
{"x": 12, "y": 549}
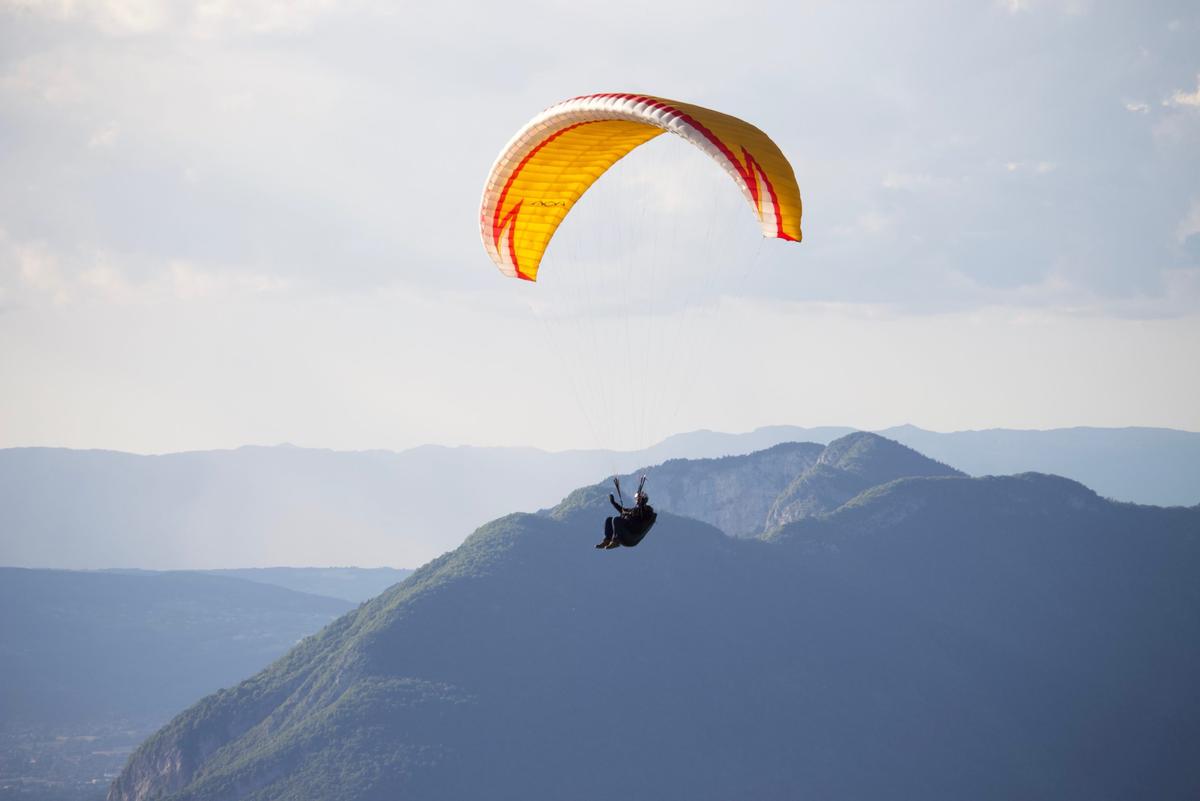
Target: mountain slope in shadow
{"x": 937, "y": 637}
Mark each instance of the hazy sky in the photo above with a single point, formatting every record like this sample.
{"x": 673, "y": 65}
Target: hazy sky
{"x": 253, "y": 222}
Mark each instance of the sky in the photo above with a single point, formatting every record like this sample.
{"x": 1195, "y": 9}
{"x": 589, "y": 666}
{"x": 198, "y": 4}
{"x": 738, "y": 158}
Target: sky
{"x": 225, "y": 223}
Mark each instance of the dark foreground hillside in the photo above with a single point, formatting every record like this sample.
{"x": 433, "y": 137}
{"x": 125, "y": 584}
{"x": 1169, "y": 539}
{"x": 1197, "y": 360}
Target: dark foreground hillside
{"x": 935, "y": 638}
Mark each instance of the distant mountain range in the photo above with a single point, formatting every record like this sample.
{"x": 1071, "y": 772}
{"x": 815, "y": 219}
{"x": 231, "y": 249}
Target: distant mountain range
{"x": 94, "y": 662}
{"x": 934, "y": 636}
{"x": 286, "y": 505}
{"x": 355, "y": 584}
{"x": 83, "y": 647}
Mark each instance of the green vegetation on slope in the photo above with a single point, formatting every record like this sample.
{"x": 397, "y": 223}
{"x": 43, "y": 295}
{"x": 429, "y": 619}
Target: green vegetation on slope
{"x": 936, "y": 637}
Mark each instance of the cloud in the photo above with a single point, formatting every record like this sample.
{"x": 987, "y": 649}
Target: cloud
{"x": 342, "y": 160}
{"x": 201, "y": 19}
{"x": 42, "y": 78}
{"x": 867, "y": 224}
{"x": 1189, "y": 226}
{"x": 104, "y": 137}
{"x": 33, "y": 275}
{"x": 188, "y": 281}
{"x": 1071, "y": 8}
{"x": 907, "y": 180}
{"x": 113, "y": 17}
{"x": 274, "y": 167}
{"x": 30, "y": 269}
{"x": 1031, "y": 167}
{"x": 1184, "y": 99}
{"x": 241, "y": 17}
{"x": 1059, "y": 293}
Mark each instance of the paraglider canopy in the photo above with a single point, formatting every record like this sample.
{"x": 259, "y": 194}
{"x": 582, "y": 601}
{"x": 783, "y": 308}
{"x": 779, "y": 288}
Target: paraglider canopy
{"x": 552, "y": 161}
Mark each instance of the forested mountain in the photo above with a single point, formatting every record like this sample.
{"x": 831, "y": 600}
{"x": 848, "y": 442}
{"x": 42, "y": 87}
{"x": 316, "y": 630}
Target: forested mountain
{"x": 937, "y": 637}
{"x": 286, "y": 505}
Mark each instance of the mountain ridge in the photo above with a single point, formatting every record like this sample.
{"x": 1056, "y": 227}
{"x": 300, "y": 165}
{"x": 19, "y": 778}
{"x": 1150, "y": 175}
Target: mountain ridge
{"x": 281, "y": 505}
{"x": 759, "y": 667}
{"x": 846, "y": 467}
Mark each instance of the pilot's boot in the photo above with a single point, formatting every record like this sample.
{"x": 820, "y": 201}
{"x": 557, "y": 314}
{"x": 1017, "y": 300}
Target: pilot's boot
{"x": 608, "y": 534}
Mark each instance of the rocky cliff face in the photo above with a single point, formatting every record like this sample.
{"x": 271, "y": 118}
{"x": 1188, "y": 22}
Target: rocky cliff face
{"x": 847, "y": 467}
{"x": 747, "y": 495}
{"x": 734, "y": 493}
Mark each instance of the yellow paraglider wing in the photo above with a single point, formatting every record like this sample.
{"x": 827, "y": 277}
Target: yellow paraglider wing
{"x": 553, "y": 160}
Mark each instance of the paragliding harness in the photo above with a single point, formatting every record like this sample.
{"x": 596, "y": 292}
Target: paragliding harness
{"x": 634, "y": 522}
